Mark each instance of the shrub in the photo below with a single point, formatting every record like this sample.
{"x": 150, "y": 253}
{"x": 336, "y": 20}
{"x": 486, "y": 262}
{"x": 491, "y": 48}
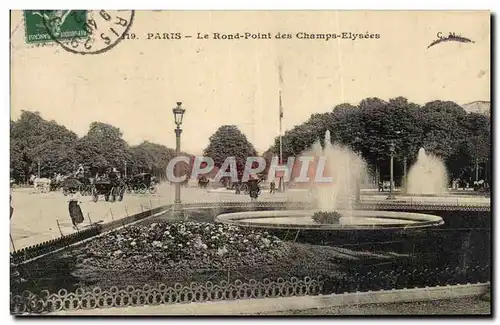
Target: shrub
{"x": 327, "y": 218}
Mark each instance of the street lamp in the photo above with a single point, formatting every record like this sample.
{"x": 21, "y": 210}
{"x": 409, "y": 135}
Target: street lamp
{"x": 392, "y": 149}
{"x": 178, "y": 114}
{"x": 357, "y": 140}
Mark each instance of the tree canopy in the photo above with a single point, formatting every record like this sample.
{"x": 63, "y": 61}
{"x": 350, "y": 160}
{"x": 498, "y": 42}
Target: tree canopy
{"x": 229, "y": 141}
{"x": 36, "y": 141}
{"x": 441, "y": 127}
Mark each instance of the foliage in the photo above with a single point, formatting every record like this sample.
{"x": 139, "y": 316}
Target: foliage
{"x": 442, "y": 124}
{"x": 443, "y": 128}
{"x": 229, "y": 141}
{"x": 34, "y": 141}
{"x": 327, "y": 218}
{"x": 149, "y": 156}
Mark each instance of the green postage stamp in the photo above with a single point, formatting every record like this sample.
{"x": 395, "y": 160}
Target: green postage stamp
{"x": 42, "y": 26}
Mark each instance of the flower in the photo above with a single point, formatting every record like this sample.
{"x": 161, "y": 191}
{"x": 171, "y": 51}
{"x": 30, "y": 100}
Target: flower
{"x": 222, "y": 251}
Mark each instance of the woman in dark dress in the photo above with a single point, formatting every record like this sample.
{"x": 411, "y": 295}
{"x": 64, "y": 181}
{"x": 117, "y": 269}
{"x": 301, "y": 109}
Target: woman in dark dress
{"x": 75, "y": 212}
{"x": 11, "y": 208}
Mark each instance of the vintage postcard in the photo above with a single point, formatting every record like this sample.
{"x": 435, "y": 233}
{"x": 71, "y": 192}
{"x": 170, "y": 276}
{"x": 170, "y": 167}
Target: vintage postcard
{"x": 250, "y": 162}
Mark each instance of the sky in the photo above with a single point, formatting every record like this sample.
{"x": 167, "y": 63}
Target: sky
{"x": 135, "y": 85}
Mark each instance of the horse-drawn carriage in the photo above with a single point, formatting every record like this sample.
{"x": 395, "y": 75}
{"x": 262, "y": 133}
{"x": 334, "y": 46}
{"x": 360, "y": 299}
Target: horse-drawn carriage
{"x": 246, "y": 187}
{"x": 142, "y": 183}
{"x": 203, "y": 182}
{"x": 253, "y": 186}
{"x": 82, "y": 185}
{"x": 111, "y": 189}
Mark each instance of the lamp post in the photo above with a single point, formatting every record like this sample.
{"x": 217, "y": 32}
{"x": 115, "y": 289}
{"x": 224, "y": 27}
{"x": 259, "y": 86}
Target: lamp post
{"x": 405, "y": 175}
{"x": 392, "y": 148}
{"x": 477, "y": 169}
{"x": 178, "y": 114}
{"x": 357, "y": 140}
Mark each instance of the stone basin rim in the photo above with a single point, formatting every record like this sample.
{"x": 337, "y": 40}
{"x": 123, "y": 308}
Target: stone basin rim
{"x": 416, "y": 220}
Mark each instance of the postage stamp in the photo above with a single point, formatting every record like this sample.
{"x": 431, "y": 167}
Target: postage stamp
{"x": 78, "y": 31}
{"x": 36, "y": 27}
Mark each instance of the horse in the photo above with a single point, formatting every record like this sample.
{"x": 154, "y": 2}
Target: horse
{"x": 41, "y": 184}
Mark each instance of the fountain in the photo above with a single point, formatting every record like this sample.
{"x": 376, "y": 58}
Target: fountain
{"x": 333, "y": 201}
{"x": 427, "y": 176}
{"x": 346, "y": 169}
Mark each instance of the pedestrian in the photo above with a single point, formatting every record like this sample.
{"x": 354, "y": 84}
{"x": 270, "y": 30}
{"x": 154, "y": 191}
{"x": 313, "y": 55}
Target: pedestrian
{"x": 75, "y": 212}
{"x": 11, "y": 208}
{"x": 273, "y": 187}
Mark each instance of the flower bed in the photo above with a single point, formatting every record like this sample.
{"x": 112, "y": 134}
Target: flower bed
{"x": 183, "y": 243}
{"x": 186, "y": 252}
{"x": 189, "y": 251}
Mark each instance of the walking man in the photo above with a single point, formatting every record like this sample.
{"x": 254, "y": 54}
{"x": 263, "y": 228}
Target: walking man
{"x": 273, "y": 187}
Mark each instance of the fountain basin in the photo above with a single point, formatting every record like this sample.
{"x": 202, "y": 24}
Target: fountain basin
{"x": 351, "y": 220}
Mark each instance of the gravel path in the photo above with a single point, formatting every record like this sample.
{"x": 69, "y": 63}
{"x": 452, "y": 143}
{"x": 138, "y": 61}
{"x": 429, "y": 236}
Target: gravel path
{"x": 464, "y": 306}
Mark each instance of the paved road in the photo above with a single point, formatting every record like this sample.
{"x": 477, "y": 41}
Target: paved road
{"x": 36, "y": 215}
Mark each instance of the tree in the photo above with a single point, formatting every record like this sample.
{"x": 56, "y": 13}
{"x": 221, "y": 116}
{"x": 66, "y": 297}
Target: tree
{"x": 229, "y": 141}
{"x": 268, "y": 156}
{"x": 475, "y": 147}
{"x": 35, "y": 140}
{"x": 303, "y": 136}
{"x": 152, "y": 157}
{"x": 443, "y": 127}
{"x": 346, "y": 126}
{"x": 103, "y": 146}
{"x": 478, "y": 136}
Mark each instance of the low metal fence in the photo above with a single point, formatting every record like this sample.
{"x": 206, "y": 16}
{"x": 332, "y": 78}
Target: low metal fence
{"x": 46, "y": 302}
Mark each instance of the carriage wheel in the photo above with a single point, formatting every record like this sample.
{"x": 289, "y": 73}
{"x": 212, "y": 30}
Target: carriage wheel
{"x": 142, "y": 188}
{"x": 152, "y": 189}
{"x": 106, "y": 197}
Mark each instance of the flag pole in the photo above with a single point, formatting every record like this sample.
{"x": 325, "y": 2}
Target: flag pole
{"x": 281, "y": 131}
{"x": 281, "y": 183}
